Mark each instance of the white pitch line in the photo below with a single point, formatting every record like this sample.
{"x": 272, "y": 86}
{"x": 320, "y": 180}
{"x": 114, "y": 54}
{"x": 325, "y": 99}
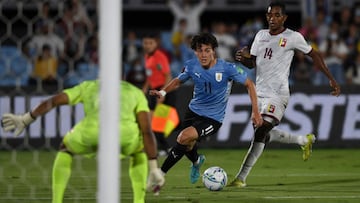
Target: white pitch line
{"x": 313, "y": 197}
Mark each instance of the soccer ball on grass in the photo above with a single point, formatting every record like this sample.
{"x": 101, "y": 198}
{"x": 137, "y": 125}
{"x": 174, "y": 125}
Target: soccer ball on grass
{"x": 214, "y": 178}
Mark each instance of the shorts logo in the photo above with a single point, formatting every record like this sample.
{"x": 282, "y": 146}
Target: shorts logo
{"x": 218, "y": 77}
{"x": 271, "y": 108}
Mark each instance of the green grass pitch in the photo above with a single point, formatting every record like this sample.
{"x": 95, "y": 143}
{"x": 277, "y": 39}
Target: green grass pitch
{"x": 329, "y": 176}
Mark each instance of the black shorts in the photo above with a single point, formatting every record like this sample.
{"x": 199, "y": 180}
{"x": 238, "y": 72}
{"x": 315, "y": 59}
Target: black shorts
{"x": 203, "y": 125}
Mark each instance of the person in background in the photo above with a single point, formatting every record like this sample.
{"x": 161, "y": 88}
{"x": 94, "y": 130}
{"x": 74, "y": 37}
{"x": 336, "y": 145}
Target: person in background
{"x": 189, "y": 11}
{"x": 158, "y": 73}
{"x": 45, "y": 68}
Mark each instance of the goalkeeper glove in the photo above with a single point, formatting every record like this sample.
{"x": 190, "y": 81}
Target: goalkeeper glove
{"x": 156, "y": 178}
{"x": 18, "y": 123}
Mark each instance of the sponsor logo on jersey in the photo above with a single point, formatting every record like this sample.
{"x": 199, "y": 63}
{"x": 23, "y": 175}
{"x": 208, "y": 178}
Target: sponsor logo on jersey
{"x": 218, "y": 76}
{"x": 282, "y": 42}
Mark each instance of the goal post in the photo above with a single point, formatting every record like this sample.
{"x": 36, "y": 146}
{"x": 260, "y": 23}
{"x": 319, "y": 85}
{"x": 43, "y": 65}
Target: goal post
{"x": 110, "y": 74}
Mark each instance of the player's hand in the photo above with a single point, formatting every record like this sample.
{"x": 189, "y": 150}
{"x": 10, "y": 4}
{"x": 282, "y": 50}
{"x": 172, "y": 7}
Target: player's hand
{"x": 257, "y": 119}
{"x": 11, "y": 122}
{"x": 336, "y": 88}
{"x": 158, "y": 94}
{"x": 242, "y": 54}
{"x": 156, "y": 179}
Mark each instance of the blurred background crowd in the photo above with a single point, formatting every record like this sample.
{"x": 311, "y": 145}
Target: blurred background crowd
{"x": 53, "y": 43}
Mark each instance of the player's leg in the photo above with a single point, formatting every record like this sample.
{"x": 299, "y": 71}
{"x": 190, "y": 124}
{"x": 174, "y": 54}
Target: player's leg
{"x": 272, "y": 110}
{"x": 179, "y": 149}
{"x": 164, "y": 147}
{"x": 60, "y": 175}
{"x": 132, "y": 145}
{"x": 304, "y": 141}
{"x": 182, "y": 145}
{"x": 72, "y": 144}
{"x": 278, "y": 135}
{"x": 205, "y": 127}
{"x": 253, "y": 154}
{"x": 138, "y": 171}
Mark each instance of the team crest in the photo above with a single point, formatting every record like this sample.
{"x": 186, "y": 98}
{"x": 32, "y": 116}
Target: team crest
{"x": 282, "y": 42}
{"x": 218, "y": 77}
{"x": 271, "y": 108}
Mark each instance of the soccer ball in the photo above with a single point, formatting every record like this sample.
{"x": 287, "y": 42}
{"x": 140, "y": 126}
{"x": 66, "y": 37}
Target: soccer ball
{"x": 214, "y": 178}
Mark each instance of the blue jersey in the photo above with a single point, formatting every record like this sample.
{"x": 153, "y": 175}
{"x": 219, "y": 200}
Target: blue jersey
{"x": 212, "y": 86}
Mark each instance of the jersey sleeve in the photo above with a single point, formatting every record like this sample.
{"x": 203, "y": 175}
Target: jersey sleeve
{"x": 237, "y": 73}
{"x": 254, "y": 45}
{"x": 75, "y": 94}
{"x": 142, "y": 104}
{"x": 300, "y": 43}
{"x": 184, "y": 75}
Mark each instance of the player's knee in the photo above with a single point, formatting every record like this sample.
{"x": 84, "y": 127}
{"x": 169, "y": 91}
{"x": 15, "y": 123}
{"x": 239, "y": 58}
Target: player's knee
{"x": 63, "y": 148}
{"x": 187, "y": 137}
{"x": 262, "y": 132}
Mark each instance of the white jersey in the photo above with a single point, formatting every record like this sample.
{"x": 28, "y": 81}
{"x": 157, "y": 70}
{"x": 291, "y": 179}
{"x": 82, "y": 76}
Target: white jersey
{"x": 274, "y": 54}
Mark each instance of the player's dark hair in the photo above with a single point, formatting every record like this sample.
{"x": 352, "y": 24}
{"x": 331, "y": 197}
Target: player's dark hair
{"x": 278, "y": 4}
{"x": 203, "y": 38}
{"x": 152, "y": 35}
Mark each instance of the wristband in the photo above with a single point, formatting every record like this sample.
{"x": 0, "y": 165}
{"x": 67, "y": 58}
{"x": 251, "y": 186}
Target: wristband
{"x": 28, "y": 119}
{"x": 162, "y": 93}
{"x": 153, "y": 165}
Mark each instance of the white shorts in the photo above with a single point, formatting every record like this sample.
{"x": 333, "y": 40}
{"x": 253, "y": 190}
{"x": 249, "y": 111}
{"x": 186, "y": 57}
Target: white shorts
{"x": 272, "y": 109}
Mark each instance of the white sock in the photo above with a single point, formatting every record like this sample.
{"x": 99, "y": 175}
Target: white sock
{"x": 277, "y": 135}
{"x": 251, "y": 157}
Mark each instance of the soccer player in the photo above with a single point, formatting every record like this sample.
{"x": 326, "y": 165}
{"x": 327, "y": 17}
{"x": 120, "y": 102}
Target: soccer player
{"x": 212, "y": 78}
{"x": 271, "y": 53}
{"x": 134, "y": 126}
{"x": 158, "y": 73}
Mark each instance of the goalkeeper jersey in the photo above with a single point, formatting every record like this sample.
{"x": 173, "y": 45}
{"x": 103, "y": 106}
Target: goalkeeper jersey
{"x": 132, "y": 101}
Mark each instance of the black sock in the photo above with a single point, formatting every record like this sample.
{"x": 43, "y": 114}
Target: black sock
{"x": 176, "y": 153}
{"x": 163, "y": 144}
{"x": 193, "y": 154}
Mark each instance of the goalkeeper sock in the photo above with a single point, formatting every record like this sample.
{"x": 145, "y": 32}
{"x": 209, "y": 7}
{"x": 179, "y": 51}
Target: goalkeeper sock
{"x": 193, "y": 154}
{"x": 176, "y": 153}
{"x": 277, "y": 135}
{"x": 60, "y": 175}
{"x": 138, "y": 171}
{"x": 251, "y": 157}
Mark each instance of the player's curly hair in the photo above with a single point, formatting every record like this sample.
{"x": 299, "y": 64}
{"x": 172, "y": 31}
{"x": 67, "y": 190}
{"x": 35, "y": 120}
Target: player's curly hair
{"x": 203, "y": 38}
{"x": 280, "y": 4}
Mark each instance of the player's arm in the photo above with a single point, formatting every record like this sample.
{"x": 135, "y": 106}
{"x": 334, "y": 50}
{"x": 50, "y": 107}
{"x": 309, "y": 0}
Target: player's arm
{"x": 319, "y": 63}
{"x": 244, "y": 57}
{"x": 156, "y": 179}
{"x": 172, "y": 85}
{"x": 47, "y": 105}
{"x": 255, "y": 115}
{"x": 149, "y": 138}
{"x": 18, "y": 123}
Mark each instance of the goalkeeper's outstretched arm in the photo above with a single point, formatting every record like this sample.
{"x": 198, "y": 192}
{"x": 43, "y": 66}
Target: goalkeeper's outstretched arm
{"x": 17, "y": 123}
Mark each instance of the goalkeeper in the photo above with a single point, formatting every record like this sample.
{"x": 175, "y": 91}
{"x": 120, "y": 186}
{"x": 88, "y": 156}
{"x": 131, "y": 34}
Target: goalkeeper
{"x": 136, "y": 136}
